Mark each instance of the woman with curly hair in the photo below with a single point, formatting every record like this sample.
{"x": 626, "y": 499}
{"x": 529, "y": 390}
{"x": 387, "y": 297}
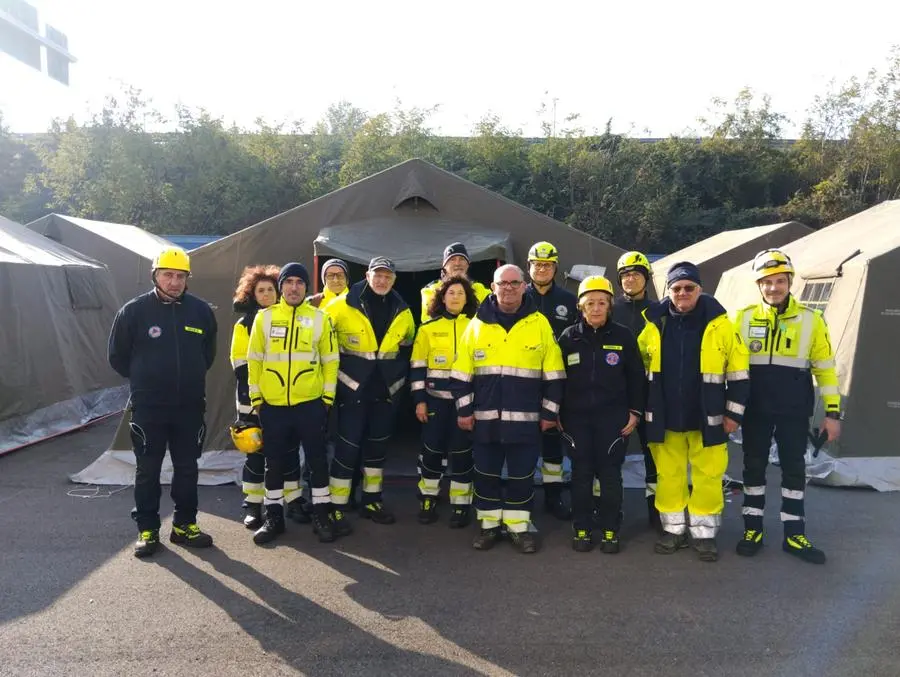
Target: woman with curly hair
{"x": 444, "y": 444}
{"x": 257, "y": 288}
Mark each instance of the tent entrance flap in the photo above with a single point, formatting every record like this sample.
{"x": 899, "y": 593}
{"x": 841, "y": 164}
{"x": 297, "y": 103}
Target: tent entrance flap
{"x": 413, "y": 243}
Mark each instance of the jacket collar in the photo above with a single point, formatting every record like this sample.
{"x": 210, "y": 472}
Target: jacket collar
{"x": 708, "y": 307}
{"x": 488, "y": 310}
{"x": 355, "y": 293}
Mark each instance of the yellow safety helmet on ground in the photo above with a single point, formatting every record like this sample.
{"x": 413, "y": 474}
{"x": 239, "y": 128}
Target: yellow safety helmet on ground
{"x": 247, "y": 437}
{"x": 595, "y": 283}
{"x": 173, "y": 258}
{"x": 633, "y": 261}
{"x": 772, "y": 262}
{"x": 544, "y": 252}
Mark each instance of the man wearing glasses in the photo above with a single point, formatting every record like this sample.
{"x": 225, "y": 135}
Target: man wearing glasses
{"x": 336, "y": 280}
{"x": 698, "y": 385}
{"x": 560, "y": 307}
{"x": 375, "y": 332}
{"x": 508, "y": 382}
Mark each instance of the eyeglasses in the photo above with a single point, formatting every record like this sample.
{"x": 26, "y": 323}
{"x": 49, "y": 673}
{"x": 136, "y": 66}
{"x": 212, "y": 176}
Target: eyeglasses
{"x": 334, "y": 276}
{"x": 684, "y": 289}
{"x": 509, "y": 284}
{"x": 540, "y": 265}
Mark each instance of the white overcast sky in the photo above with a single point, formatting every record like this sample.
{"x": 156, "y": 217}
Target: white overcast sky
{"x": 651, "y": 66}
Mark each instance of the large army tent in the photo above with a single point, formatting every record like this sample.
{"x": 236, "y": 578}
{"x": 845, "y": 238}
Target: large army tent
{"x": 409, "y": 212}
{"x": 849, "y": 270}
{"x": 716, "y": 254}
{"x": 128, "y": 251}
{"x": 57, "y": 307}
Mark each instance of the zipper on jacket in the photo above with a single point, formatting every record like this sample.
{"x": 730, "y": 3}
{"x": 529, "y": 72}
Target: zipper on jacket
{"x": 290, "y": 348}
{"x": 177, "y": 354}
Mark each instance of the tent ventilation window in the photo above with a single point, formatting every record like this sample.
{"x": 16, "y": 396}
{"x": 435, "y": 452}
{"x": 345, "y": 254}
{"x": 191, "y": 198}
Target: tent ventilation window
{"x": 416, "y": 203}
{"x": 82, "y": 292}
{"x": 816, "y": 295}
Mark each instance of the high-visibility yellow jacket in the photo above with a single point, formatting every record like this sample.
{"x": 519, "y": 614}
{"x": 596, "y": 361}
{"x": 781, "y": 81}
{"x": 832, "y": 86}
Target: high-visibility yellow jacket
{"x": 240, "y": 343}
{"x": 325, "y": 297}
{"x": 724, "y": 361}
{"x": 361, "y": 355}
{"x": 786, "y": 352}
{"x": 292, "y": 356}
{"x": 508, "y": 380}
{"x": 433, "y": 355}
{"x": 430, "y": 289}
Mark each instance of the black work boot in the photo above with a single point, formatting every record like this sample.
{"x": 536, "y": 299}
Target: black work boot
{"x": 147, "y": 543}
{"x": 554, "y": 503}
{"x": 322, "y": 524}
{"x": 376, "y": 512}
{"x": 487, "y": 538}
{"x": 339, "y": 522}
{"x": 524, "y": 541}
{"x": 751, "y": 543}
{"x": 272, "y": 527}
{"x": 299, "y": 511}
{"x": 653, "y": 520}
{"x": 460, "y": 517}
{"x": 582, "y": 541}
{"x": 253, "y": 515}
{"x": 706, "y": 549}
{"x": 610, "y": 543}
{"x": 799, "y": 546}
{"x": 669, "y": 543}
{"x": 427, "y": 509}
{"x": 190, "y": 535}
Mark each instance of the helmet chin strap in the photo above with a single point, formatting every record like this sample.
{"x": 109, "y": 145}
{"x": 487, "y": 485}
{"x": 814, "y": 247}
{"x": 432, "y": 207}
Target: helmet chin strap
{"x": 164, "y": 294}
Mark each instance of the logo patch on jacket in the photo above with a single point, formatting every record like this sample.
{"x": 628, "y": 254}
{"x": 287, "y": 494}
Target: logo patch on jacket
{"x": 154, "y": 332}
{"x": 562, "y": 312}
{"x": 755, "y": 346}
{"x": 278, "y": 332}
{"x": 573, "y": 359}
{"x": 612, "y": 359}
{"x": 479, "y": 355}
{"x": 193, "y": 330}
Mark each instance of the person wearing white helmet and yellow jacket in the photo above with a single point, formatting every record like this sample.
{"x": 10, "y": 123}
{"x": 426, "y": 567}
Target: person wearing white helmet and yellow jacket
{"x": 602, "y": 404}
{"x": 789, "y": 349}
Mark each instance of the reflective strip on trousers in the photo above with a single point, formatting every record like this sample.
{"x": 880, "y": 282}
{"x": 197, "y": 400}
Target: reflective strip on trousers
{"x": 292, "y": 491}
{"x": 460, "y": 493}
{"x": 371, "y": 483}
{"x": 516, "y": 521}
{"x": 340, "y": 490}
{"x": 429, "y": 487}
{"x": 321, "y": 495}
{"x": 551, "y": 472}
{"x": 754, "y": 491}
{"x": 253, "y": 491}
{"x": 673, "y": 522}
{"x": 704, "y": 526}
{"x": 490, "y": 519}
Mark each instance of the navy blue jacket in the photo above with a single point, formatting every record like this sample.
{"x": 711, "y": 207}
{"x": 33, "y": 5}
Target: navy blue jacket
{"x": 629, "y": 312}
{"x": 558, "y": 305}
{"x": 164, "y": 349}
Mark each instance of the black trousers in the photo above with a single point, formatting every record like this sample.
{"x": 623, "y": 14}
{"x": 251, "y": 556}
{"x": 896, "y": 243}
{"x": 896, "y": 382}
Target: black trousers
{"x": 790, "y": 435}
{"x": 446, "y": 449}
{"x": 598, "y": 450}
{"x": 649, "y": 464}
{"x": 284, "y": 429}
{"x": 365, "y": 426}
{"x": 153, "y": 430}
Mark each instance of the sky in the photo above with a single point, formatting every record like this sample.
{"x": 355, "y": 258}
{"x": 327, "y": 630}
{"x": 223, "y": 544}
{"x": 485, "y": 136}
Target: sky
{"x": 651, "y": 66}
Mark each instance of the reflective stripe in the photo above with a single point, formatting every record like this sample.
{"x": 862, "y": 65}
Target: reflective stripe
{"x": 822, "y": 364}
{"x": 795, "y": 362}
{"x": 289, "y": 357}
{"x": 372, "y": 477}
{"x": 437, "y": 373}
{"x": 554, "y": 375}
{"x": 330, "y": 358}
{"x": 520, "y": 416}
{"x": 550, "y": 405}
{"x": 460, "y": 493}
{"x": 714, "y": 378}
{"x": 649, "y": 375}
{"x": 714, "y": 420}
{"x": 487, "y": 415}
{"x": 389, "y": 356}
{"x": 256, "y": 357}
{"x": 253, "y": 389}
{"x": 804, "y": 343}
{"x": 238, "y": 363}
{"x": 329, "y": 388}
{"x": 396, "y": 386}
{"x": 516, "y": 521}
{"x": 429, "y": 487}
{"x": 792, "y": 493}
{"x": 440, "y": 394}
{"x": 417, "y": 385}
{"x": 735, "y": 407}
{"x": 321, "y": 495}
{"x": 788, "y": 517}
{"x": 673, "y": 522}
{"x": 465, "y": 400}
{"x": 418, "y": 364}
{"x": 754, "y": 491}
{"x": 739, "y": 375}
{"x": 754, "y": 512}
{"x": 829, "y": 390}
{"x": 460, "y": 376}
{"x": 347, "y": 381}
{"x": 521, "y": 372}
{"x": 244, "y": 408}
{"x": 362, "y": 354}
{"x": 648, "y": 416}
{"x": 704, "y": 526}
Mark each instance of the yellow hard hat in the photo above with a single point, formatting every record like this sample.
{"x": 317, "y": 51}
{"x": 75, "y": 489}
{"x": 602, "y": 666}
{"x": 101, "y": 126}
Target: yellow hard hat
{"x": 544, "y": 252}
{"x": 595, "y": 283}
{"x": 772, "y": 262}
{"x": 173, "y": 258}
{"x": 633, "y": 261}
{"x": 247, "y": 437}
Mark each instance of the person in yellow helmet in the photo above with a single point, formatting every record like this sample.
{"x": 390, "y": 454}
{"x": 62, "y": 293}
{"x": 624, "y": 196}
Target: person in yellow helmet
{"x": 789, "y": 349}
{"x": 560, "y": 307}
{"x": 164, "y": 342}
{"x": 602, "y": 404}
{"x": 455, "y": 263}
{"x": 633, "y": 270}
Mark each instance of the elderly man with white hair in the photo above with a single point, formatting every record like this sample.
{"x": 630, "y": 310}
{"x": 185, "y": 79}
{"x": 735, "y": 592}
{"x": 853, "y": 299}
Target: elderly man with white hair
{"x": 508, "y": 382}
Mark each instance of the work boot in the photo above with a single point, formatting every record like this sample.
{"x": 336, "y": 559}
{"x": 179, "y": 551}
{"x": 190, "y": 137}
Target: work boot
{"x": 339, "y": 523}
{"x": 322, "y": 524}
{"x": 751, "y": 543}
{"x": 190, "y": 535}
{"x": 653, "y": 520}
{"x": 147, "y": 543}
{"x": 427, "y": 509}
{"x": 272, "y": 527}
{"x": 460, "y": 517}
{"x": 376, "y": 512}
{"x": 486, "y": 539}
{"x": 524, "y": 541}
{"x": 799, "y": 546}
{"x": 706, "y": 549}
{"x": 298, "y": 510}
{"x": 610, "y": 542}
{"x": 582, "y": 541}
{"x": 669, "y": 543}
{"x": 554, "y": 503}
{"x": 253, "y": 515}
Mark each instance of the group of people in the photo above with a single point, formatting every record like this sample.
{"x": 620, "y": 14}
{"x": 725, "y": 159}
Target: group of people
{"x": 501, "y": 378}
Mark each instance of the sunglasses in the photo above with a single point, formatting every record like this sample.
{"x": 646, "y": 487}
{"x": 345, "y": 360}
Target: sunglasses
{"x": 684, "y": 289}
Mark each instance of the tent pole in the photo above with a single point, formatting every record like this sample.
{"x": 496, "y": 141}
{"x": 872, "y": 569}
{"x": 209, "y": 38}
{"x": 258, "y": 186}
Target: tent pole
{"x": 315, "y": 274}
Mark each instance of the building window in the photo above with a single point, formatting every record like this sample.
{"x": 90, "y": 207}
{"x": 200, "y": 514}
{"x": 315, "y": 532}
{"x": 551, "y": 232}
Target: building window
{"x": 815, "y": 295}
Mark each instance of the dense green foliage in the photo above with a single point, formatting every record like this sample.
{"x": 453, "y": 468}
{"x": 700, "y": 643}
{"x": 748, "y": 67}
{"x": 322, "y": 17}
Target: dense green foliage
{"x": 208, "y": 177}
